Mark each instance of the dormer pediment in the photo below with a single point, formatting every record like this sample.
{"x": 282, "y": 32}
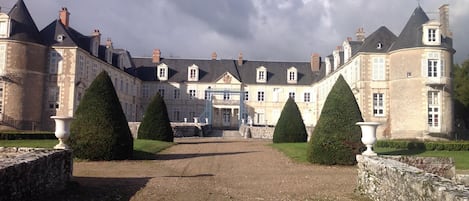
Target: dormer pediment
{"x": 227, "y": 78}
{"x": 261, "y": 74}
{"x": 193, "y": 73}
{"x": 431, "y": 33}
{"x": 292, "y": 75}
{"x": 4, "y": 25}
{"x": 162, "y": 72}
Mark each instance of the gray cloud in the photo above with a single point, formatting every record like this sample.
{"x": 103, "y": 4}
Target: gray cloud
{"x": 263, "y": 29}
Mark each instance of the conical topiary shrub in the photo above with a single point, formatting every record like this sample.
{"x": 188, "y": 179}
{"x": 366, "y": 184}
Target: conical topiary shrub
{"x": 290, "y": 126}
{"x": 336, "y": 138}
{"x": 155, "y": 124}
{"x": 100, "y": 130}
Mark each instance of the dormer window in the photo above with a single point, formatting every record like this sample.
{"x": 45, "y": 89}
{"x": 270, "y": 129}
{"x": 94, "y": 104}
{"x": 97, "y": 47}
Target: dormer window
{"x": 431, "y": 33}
{"x": 4, "y": 26}
{"x": 162, "y": 72}
{"x": 261, "y": 75}
{"x": 193, "y": 73}
{"x": 292, "y": 75}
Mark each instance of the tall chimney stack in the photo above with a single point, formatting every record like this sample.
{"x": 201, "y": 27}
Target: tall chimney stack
{"x": 315, "y": 62}
{"x": 360, "y": 34}
{"x": 64, "y": 16}
{"x": 444, "y": 20}
{"x": 240, "y": 59}
{"x": 108, "y": 43}
{"x": 214, "y": 56}
{"x": 156, "y": 56}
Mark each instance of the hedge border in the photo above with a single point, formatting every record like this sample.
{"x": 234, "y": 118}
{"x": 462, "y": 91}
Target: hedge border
{"x": 23, "y": 135}
{"x": 430, "y": 146}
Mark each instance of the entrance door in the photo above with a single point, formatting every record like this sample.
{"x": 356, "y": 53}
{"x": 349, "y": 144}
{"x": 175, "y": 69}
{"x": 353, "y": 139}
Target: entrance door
{"x": 226, "y": 117}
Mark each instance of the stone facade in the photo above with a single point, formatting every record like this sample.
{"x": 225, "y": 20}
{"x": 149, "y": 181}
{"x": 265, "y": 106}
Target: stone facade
{"x": 383, "y": 178}
{"x": 28, "y": 174}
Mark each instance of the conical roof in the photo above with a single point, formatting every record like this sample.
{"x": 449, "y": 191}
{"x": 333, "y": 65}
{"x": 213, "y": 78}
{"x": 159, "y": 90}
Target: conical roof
{"x": 23, "y": 27}
{"x": 411, "y": 35}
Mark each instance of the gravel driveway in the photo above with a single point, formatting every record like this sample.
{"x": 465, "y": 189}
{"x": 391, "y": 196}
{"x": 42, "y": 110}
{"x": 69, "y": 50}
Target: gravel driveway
{"x": 212, "y": 169}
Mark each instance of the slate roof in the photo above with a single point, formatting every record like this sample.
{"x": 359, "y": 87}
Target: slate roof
{"x": 411, "y": 35}
{"x": 71, "y": 36}
{"x": 381, "y": 35}
{"x": 276, "y": 72}
{"x": 23, "y": 27}
{"x": 355, "y": 45}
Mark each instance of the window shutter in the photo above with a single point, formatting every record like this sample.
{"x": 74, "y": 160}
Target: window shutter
{"x": 442, "y": 66}
{"x": 424, "y": 68}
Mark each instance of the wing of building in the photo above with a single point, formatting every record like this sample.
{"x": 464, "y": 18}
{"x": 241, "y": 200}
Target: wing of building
{"x": 400, "y": 81}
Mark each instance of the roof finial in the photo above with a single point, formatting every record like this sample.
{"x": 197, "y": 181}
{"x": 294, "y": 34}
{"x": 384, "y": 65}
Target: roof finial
{"x": 418, "y": 3}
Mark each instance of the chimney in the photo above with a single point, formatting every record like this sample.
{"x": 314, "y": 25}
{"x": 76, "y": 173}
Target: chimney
{"x": 156, "y": 56}
{"x": 360, "y": 34}
{"x": 349, "y": 39}
{"x": 444, "y": 20}
{"x": 108, "y": 43}
{"x": 339, "y": 48}
{"x": 240, "y": 59}
{"x": 315, "y": 62}
{"x": 64, "y": 16}
{"x": 214, "y": 56}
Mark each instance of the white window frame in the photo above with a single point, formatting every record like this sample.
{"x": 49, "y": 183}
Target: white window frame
{"x": 3, "y": 61}
{"x": 431, "y": 33}
{"x": 434, "y": 116}
{"x": 176, "y": 93}
{"x": 378, "y": 104}
{"x": 4, "y": 25}
{"x": 261, "y": 74}
{"x": 292, "y": 75}
{"x": 378, "y": 68}
{"x": 307, "y": 97}
{"x": 192, "y": 94}
{"x": 2, "y": 87}
{"x": 260, "y": 96}
{"x": 246, "y": 95}
{"x": 291, "y": 94}
{"x": 162, "y": 72}
{"x": 193, "y": 73}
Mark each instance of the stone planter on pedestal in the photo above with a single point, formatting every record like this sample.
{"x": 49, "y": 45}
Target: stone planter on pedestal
{"x": 62, "y": 130}
{"x": 368, "y": 136}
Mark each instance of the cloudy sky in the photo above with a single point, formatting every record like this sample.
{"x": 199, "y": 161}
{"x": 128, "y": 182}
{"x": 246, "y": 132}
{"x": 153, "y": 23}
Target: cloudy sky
{"x": 277, "y": 30}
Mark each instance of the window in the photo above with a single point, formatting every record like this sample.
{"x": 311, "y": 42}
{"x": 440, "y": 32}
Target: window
{"x": 1, "y": 97}
{"x": 4, "y": 32}
{"x": 307, "y": 97}
{"x": 176, "y": 116}
{"x": 378, "y": 104}
{"x": 246, "y": 95}
{"x": 260, "y": 96}
{"x": 55, "y": 62}
{"x": 3, "y": 48}
{"x": 176, "y": 93}
{"x": 431, "y": 35}
{"x": 292, "y": 75}
{"x": 54, "y": 94}
{"x": 193, "y": 73}
{"x": 275, "y": 94}
{"x": 145, "y": 91}
{"x": 161, "y": 91}
{"x": 291, "y": 95}
{"x": 378, "y": 68}
{"x": 226, "y": 95}
{"x": 191, "y": 94}
{"x": 433, "y": 109}
{"x": 432, "y": 68}
{"x": 261, "y": 74}
{"x": 162, "y": 72}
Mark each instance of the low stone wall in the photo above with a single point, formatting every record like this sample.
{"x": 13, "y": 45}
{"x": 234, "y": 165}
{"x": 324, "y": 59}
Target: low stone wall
{"x": 29, "y": 173}
{"x": 386, "y": 178}
{"x": 263, "y": 132}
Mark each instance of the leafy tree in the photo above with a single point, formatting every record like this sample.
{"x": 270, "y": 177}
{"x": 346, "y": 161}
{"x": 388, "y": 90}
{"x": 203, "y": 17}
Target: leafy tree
{"x": 290, "y": 126}
{"x": 336, "y": 139}
{"x": 155, "y": 124}
{"x": 461, "y": 98}
{"x": 100, "y": 130}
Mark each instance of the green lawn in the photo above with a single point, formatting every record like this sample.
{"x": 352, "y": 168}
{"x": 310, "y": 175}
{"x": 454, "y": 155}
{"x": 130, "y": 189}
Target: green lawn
{"x": 143, "y": 149}
{"x": 297, "y": 151}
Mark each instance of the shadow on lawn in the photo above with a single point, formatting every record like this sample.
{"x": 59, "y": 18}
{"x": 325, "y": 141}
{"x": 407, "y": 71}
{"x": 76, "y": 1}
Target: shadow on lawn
{"x": 141, "y": 155}
{"x": 95, "y": 188}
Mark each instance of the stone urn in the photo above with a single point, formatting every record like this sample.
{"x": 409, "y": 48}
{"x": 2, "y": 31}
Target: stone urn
{"x": 368, "y": 136}
{"x": 62, "y": 130}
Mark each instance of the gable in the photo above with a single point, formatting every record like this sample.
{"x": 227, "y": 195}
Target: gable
{"x": 227, "y": 78}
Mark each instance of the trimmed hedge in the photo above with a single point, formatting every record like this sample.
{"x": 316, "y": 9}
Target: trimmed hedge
{"x": 26, "y": 135}
{"x": 336, "y": 138}
{"x": 290, "y": 126}
{"x": 100, "y": 130}
{"x": 430, "y": 146}
{"x": 156, "y": 124}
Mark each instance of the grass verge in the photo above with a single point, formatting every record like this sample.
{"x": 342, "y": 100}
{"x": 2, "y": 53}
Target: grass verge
{"x": 143, "y": 149}
{"x": 297, "y": 152}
